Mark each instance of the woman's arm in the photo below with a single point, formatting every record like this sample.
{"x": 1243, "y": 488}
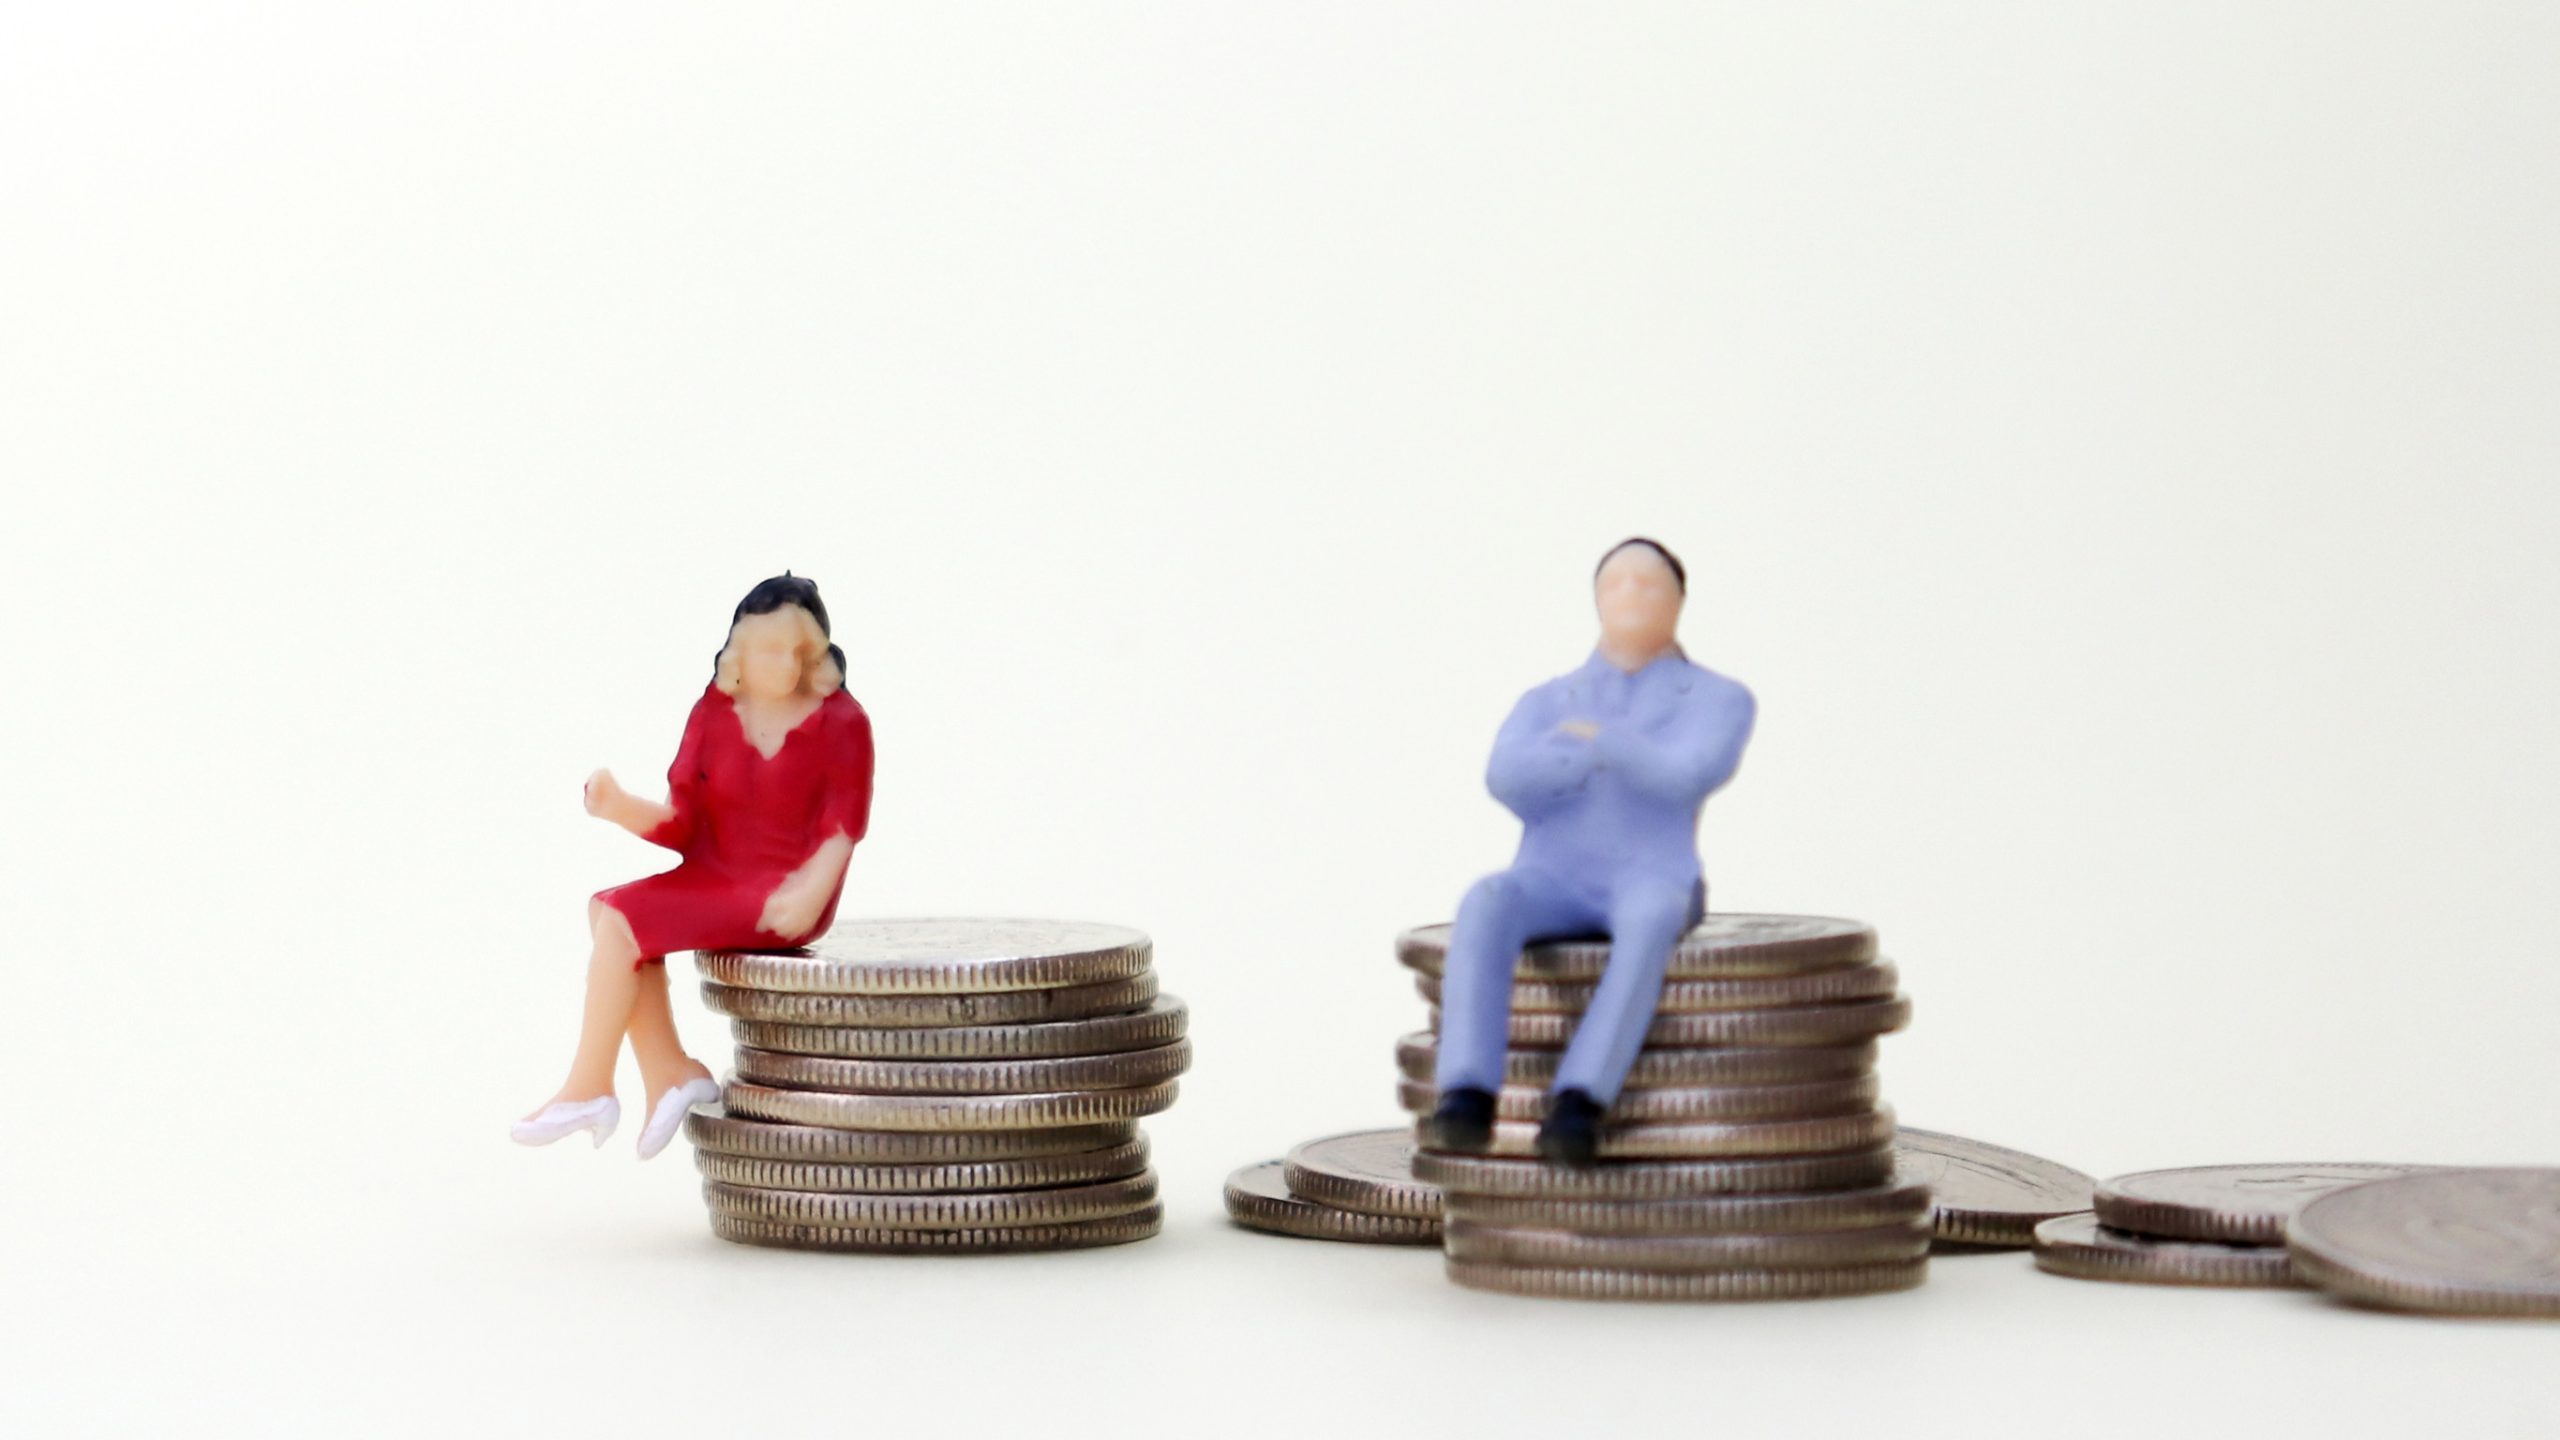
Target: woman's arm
{"x": 670, "y": 824}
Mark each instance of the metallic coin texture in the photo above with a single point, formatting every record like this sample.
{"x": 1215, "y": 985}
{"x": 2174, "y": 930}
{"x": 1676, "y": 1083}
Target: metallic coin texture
{"x": 712, "y": 1128}
{"x": 1987, "y": 1195}
{"x": 1369, "y": 1171}
{"x": 1161, "y": 1023}
{"x": 1060, "y": 1205}
{"x": 1417, "y": 1053}
{"x": 1800, "y": 1025}
{"x": 2236, "y": 1204}
{"x": 1679, "y": 1103}
{"x": 1708, "y": 1140}
{"x": 965, "y": 1077}
{"x": 1085, "y": 1168}
{"x": 1682, "y": 997}
{"x": 1653, "y": 1180}
{"x": 1117, "y": 1230}
{"x": 1259, "y": 1198}
{"x": 2080, "y": 1247}
{"x": 1006, "y": 1007}
{"x": 939, "y": 957}
{"x": 2455, "y": 1242}
{"x": 1797, "y": 1250}
{"x": 1718, "y": 947}
{"x": 1695, "y": 1285}
{"x": 944, "y": 1112}
{"x": 1890, "y": 1205}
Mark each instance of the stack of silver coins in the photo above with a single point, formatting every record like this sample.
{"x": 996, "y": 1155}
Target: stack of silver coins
{"x": 1750, "y": 1155}
{"x": 940, "y": 1086}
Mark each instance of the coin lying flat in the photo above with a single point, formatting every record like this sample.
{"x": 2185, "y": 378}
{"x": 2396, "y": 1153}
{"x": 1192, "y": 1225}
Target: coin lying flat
{"x": 1418, "y": 1053}
{"x": 2236, "y": 1204}
{"x": 1060, "y": 1205}
{"x": 944, "y": 1112}
{"x": 1716, "y": 947}
{"x": 1798, "y": 1025}
{"x": 1987, "y": 1195}
{"x": 1681, "y": 997}
{"x": 1695, "y": 1285}
{"x": 1680, "y": 1102}
{"x": 2456, "y": 1242}
{"x": 939, "y": 957}
{"x": 1653, "y": 1179}
{"x": 712, "y": 1128}
{"x": 2080, "y": 1247}
{"x": 1002, "y": 1007}
{"x": 1368, "y": 1170}
{"x": 1161, "y": 1023}
{"x": 1117, "y": 1230}
{"x": 1085, "y": 1168}
{"x": 1887, "y": 1205}
{"x": 1259, "y": 1198}
{"x": 1794, "y": 1250}
{"x": 965, "y": 1077}
{"x": 1706, "y": 1140}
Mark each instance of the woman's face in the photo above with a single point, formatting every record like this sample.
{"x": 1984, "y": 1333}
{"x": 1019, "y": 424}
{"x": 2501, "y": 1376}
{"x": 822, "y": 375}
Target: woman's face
{"x": 768, "y": 647}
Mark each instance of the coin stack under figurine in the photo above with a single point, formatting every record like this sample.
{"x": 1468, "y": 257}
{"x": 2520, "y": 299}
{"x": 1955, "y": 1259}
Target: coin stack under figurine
{"x": 940, "y": 1086}
{"x": 1750, "y": 1155}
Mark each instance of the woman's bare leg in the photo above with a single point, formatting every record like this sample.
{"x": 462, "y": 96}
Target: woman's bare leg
{"x": 663, "y": 1063}
{"x": 611, "y": 989}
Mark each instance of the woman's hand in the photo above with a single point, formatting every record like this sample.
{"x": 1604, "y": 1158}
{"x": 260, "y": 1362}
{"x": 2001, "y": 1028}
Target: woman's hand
{"x": 792, "y": 910}
{"x": 605, "y": 794}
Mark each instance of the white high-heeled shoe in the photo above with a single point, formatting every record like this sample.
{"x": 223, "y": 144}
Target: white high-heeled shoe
{"x": 563, "y": 1118}
{"x": 668, "y": 1117}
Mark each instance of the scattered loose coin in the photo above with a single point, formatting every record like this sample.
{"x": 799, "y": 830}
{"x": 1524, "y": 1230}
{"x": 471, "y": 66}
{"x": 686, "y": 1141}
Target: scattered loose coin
{"x": 1653, "y": 1179}
{"x": 2080, "y": 1247}
{"x": 1902, "y": 1204}
{"x": 1161, "y": 1023}
{"x": 1059, "y": 1075}
{"x": 2456, "y": 1242}
{"x": 940, "y": 957}
{"x": 1418, "y": 1053}
{"x": 1695, "y": 1285}
{"x": 1116, "y": 1230}
{"x": 1791, "y": 1250}
{"x": 1002, "y": 1007}
{"x": 944, "y": 1112}
{"x": 1259, "y": 1198}
{"x": 1636, "y": 1106}
{"x": 1718, "y": 946}
{"x": 1987, "y": 1195}
{"x": 1083, "y": 1168}
{"x": 1060, "y": 1205}
{"x": 1681, "y": 997}
{"x": 2236, "y": 1204}
{"x": 1808, "y": 1025}
{"x": 713, "y": 1128}
{"x": 1700, "y": 1140}
{"x": 1368, "y": 1170}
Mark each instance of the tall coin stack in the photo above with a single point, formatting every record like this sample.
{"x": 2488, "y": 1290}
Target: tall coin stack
{"x": 1750, "y": 1155}
{"x": 940, "y": 1086}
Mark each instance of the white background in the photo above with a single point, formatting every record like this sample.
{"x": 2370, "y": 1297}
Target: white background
{"x": 2118, "y": 448}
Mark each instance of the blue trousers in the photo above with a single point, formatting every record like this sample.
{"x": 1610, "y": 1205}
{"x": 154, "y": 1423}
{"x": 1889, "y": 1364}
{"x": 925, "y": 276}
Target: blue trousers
{"x": 1643, "y": 916}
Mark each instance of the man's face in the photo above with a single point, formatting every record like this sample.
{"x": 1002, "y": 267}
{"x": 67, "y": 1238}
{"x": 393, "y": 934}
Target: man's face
{"x": 1638, "y": 597}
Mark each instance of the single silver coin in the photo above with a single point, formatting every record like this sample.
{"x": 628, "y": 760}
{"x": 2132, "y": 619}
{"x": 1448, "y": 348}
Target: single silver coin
{"x": 1161, "y": 1023}
{"x": 1259, "y": 1198}
{"x": 939, "y": 957}
{"x": 1718, "y": 947}
{"x": 1791, "y": 1250}
{"x": 1369, "y": 1171}
{"x": 2236, "y": 1204}
{"x": 1085, "y": 1234}
{"x": 1002, "y": 1007}
{"x": 2080, "y": 1247}
{"x": 1057, "y": 1205}
{"x": 1809, "y": 1025}
{"x": 1987, "y": 1195}
{"x": 1564, "y": 1284}
{"x": 1708, "y": 1140}
{"x": 1672, "y": 1103}
{"x": 2453, "y": 1242}
{"x": 1880, "y": 1205}
{"x": 1418, "y": 1054}
{"x": 1059, "y": 1075}
{"x": 1653, "y": 1179}
{"x": 1682, "y": 997}
{"x": 712, "y": 1128}
{"x": 943, "y": 1112}
{"x": 1083, "y": 1168}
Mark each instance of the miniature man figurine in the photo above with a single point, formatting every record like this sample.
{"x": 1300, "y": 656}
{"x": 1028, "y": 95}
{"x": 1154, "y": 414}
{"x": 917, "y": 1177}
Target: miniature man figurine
{"x": 1607, "y": 768}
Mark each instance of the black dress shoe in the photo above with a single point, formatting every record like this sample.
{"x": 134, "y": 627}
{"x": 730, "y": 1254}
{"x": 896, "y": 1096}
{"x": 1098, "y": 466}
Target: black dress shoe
{"x": 1571, "y": 1136}
{"x": 1464, "y": 1121}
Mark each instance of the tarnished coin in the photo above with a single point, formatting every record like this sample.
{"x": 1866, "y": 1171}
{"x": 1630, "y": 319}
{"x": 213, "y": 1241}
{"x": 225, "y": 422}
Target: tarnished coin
{"x": 2080, "y": 1247}
{"x": 1002, "y": 1007}
{"x": 2236, "y": 1204}
{"x": 1800, "y": 1025}
{"x": 1117, "y": 1230}
{"x": 1161, "y": 1023}
{"x": 1717, "y": 947}
{"x": 713, "y": 1128}
{"x": 1369, "y": 1171}
{"x": 939, "y": 957}
{"x": 965, "y": 1077}
{"x": 1653, "y": 1179}
{"x": 944, "y": 1112}
{"x": 1887, "y": 1205}
{"x": 1084, "y": 1168}
{"x": 1259, "y": 1198}
{"x": 1682, "y": 997}
{"x": 1707, "y": 1140}
{"x": 1792, "y": 1250}
{"x": 1693, "y": 1285}
{"x": 2454, "y": 1242}
{"x": 1987, "y": 1195}
{"x": 1654, "y": 1104}
{"x": 1056, "y": 1206}
{"x": 1418, "y": 1053}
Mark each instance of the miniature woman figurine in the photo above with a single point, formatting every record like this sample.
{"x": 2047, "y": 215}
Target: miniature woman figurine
{"x": 1607, "y": 768}
{"x": 770, "y": 789}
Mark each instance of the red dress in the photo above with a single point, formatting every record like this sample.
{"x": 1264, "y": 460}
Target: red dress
{"x": 743, "y": 822}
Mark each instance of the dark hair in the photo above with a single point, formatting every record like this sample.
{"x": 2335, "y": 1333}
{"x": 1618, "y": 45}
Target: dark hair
{"x": 1679, "y": 573}
{"x": 771, "y": 595}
